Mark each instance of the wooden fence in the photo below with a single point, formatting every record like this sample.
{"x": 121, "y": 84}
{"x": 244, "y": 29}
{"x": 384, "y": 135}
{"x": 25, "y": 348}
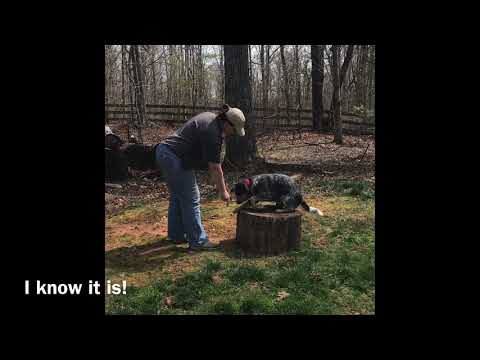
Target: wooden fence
{"x": 271, "y": 118}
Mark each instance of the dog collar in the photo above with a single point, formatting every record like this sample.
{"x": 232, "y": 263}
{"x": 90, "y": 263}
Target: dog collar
{"x": 248, "y": 183}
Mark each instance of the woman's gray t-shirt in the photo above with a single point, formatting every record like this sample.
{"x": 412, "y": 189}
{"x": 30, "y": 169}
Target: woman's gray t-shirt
{"x": 198, "y": 141}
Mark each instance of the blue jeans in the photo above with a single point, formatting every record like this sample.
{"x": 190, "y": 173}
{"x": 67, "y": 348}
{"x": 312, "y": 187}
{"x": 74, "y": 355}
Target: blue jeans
{"x": 184, "y": 205}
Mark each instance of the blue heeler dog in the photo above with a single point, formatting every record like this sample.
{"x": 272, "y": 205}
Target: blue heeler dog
{"x": 277, "y": 188}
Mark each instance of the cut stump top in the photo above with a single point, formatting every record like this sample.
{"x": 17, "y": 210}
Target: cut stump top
{"x": 267, "y": 213}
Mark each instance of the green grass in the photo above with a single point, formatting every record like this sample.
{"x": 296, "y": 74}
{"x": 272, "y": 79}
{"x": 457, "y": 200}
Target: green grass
{"x": 335, "y": 278}
{"x": 140, "y": 212}
{"x": 361, "y": 189}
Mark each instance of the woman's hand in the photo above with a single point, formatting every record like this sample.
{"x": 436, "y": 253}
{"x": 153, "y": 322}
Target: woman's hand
{"x": 226, "y": 197}
{"x": 217, "y": 174}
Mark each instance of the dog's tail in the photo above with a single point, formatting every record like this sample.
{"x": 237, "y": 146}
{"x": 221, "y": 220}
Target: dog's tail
{"x": 317, "y": 213}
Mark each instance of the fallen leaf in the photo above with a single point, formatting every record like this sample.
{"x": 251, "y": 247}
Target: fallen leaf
{"x": 216, "y": 279}
{"x": 169, "y": 301}
{"x": 282, "y": 295}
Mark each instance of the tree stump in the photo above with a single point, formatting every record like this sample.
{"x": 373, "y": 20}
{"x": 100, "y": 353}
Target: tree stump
{"x": 262, "y": 231}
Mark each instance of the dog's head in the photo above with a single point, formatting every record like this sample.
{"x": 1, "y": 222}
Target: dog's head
{"x": 243, "y": 190}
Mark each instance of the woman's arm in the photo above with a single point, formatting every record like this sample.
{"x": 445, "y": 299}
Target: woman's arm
{"x": 217, "y": 174}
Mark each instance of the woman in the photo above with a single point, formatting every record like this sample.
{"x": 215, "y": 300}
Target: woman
{"x": 197, "y": 145}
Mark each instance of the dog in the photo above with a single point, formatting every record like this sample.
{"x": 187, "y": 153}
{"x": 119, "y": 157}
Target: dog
{"x": 278, "y": 188}
{"x": 122, "y": 158}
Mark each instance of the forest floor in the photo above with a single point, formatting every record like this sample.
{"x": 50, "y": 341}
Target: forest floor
{"x": 331, "y": 273}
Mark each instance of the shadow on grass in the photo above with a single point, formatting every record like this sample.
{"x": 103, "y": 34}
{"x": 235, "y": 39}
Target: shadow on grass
{"x": 144, "y": 257}
{"x": 154, "y": 255}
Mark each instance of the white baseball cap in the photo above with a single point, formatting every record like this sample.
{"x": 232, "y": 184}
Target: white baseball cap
{"x": 236, "y": 118}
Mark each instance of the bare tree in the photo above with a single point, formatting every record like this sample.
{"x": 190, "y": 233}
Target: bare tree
{"x": 201, "y": 76}
{"x": 110, "y": 71}
{"x": 240, "y": 150}
{"x": 262, "y": 70}
{"x": 170, "y": 75}
{"x": 123, "y": 51}
{"x": 317, "y": 87}
{"x": 346, "y": 63}
{"x": 137, "y": 83}
{"x": 154, "y": 74}
{"x": 344, "y": 67}
{"x": 371, "y": 77}
{"x": 222, "y": 74}
{"x": 265, "y": 72}
{"x": 361, "y": 92}
{"x": 298, "y": 89}
{"x": 335, "y": 107}
{"x": 267, "y": 76}
{"x": 286, "y": 82}
{"x": 296, "y": 76}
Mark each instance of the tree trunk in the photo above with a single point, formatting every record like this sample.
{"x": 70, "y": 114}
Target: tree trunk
{"x": 137, "y": 82}
{"x": 154, "y": 75}
{"x": 108, "y": 72}
{"x": 250, "y": 73}
{"x": 335, "y": 108}
{"x": 240, "y": 150}
{"x": 222, "y": 76}
{"x": 317, "y": 87}
{"x": 371, "y": 77}
{"x": 307, "y": 85}
{"x": 201, "y": 77}
{"x": 343, "y": 69}
{"x": 298, "y": 92}
{"x": 286, "y": 85}
{"x": 267, "y": 77}
{"x": 131, "y": 118}
{"x": 262, "y": 71}
{"x": 124, "y": 99}
{"x": 361, "y": 88}
{"x": 194, "y": 77}
{"x": 346, "y": 63}
{"x": 181, "y": 83}
{"x": 268, "y": 233}
{"x": 169, "y": 72}
{"x": 188, "y": 76}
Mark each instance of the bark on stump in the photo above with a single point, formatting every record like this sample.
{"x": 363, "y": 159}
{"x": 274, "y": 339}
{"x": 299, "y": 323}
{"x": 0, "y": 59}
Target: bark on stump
{"x": 267, "y": 233}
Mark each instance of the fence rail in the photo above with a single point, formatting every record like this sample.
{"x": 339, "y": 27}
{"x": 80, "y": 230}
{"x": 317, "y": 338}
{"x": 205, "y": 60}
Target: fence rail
{"x": 278, "y": 117}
